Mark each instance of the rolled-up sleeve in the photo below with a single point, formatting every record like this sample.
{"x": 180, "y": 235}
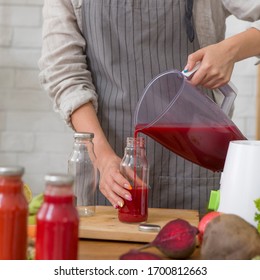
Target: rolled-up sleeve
{"x": 248, "y": 10}
{"x": 63, "y": 67}
{"x": 256, "y": 25}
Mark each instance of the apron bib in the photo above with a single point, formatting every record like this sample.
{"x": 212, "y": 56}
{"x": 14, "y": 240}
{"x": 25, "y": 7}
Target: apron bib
{"x": 128, "y": 43}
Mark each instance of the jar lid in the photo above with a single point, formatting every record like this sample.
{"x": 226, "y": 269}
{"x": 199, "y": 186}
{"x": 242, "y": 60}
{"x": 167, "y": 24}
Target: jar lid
{"x": 11, "y": 170}
{"x": 84, "y": 135}
{"x": 59, "y": 179}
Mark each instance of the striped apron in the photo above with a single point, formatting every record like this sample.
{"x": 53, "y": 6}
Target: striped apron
{"x": 128, "y": 43}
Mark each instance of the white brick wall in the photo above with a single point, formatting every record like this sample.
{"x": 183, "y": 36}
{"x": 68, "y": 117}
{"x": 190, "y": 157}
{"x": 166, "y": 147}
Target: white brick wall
{"x": 31, "y": 134}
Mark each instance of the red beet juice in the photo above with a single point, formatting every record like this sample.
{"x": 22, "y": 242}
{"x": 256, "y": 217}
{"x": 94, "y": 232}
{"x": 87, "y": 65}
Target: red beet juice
{"x": 135, "y": 211}
{"x": 203, "y": 145}
{"x": 57, "y": 229}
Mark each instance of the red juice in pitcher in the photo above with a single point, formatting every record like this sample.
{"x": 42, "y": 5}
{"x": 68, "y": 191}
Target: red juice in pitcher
{"x": 57, "y": 221}
{"x": 136, "y": 210}
{"x": 204, "y": 145}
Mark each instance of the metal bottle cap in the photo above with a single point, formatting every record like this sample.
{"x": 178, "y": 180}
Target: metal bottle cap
{"x": 11, "y": 170}
{"x": 59, "y": 179}
{"x": 84, "y": 135}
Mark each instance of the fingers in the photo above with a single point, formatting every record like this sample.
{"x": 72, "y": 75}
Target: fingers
{"x": 210, "y": 77}
{"x": 114, "y": 187}
{"x": 122, "y": 181}
{"x": 215, "y": 69}
{"x": 193, "y": 59}
{"x": 133, "y": 176}
{"x": 116, "y": 195}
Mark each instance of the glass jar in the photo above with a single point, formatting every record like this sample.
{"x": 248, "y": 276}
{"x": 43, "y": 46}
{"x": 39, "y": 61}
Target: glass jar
{"x": 134, "y": 166}
{"x": 82, "y": 165}
{"x": 13, "y": 214}
{"x": 57, "y": 220}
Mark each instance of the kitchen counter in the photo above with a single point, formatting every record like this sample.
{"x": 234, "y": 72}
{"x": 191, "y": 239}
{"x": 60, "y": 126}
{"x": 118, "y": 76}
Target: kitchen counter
{"x": 104, "y": 237}
{"x": 104, "y": 225}
{"x": 92, "y": 249}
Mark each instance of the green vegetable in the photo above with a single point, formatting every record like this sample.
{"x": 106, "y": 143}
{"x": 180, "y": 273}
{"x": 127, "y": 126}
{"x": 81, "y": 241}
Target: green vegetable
{"x": 34, "y": 206}
{"x": 257, "y": 214}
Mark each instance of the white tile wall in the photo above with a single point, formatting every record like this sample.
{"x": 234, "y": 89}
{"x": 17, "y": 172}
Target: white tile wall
{"x": 31, "y": 134}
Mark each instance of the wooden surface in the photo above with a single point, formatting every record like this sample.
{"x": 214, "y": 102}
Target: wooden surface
{"x": 258, "y": 105}
{"x": 104, "y": 225}
{"x": 90, "y": 249}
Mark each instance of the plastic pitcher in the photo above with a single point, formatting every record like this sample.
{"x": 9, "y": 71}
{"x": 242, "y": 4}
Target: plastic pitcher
{"x": 182, "y": 118}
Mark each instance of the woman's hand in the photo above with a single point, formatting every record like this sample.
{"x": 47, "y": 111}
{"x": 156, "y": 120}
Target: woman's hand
{"x": 113, "y": 185}
{"x": 216, "y": 66}
{"x": 217, "y": 60}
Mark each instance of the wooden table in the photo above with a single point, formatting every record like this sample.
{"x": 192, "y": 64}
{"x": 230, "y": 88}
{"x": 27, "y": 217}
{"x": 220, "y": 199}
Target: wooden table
{"x": 103, "y": 237}
{"x": 91, "y": 249}
{"x": 104, "y": 225}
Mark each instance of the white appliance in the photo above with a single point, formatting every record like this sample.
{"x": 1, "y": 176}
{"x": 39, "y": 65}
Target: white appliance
{"x": 240, "y": 180}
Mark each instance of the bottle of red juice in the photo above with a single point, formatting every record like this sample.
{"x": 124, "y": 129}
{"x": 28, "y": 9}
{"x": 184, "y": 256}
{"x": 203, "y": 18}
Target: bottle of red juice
{"x": 134, "y": 166}
{"x": 13, "y": 214}
{"x": 57, "y": 220}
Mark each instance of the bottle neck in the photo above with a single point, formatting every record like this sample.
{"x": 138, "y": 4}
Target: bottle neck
{"x": 82, "y": 143}
{"x": 11, "y": 184}
{"x": 59, "y": 193}
{"x": 134, "y": 165}
{"x": 135, "y": 154}
{"x": 58, "y": 190}
{"x": 85, "y": 148}
{"x": 69, "y": 199}
{"x": 58, "y": 187}
{"x": 135, "y": 145}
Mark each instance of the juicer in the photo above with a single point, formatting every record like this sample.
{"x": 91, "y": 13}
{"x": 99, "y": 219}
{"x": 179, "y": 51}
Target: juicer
{"x": 240, "y": 181}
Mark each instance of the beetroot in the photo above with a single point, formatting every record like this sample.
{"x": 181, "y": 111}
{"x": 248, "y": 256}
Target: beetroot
{"x": 230, "y": 237}
{"x": 177, "y": 239}
{"x": 137, "y": 255}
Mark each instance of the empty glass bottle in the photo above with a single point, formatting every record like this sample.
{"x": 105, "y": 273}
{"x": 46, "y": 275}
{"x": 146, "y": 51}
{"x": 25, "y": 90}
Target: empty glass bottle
{"x": 82, "y": 165}
{"x": 134, "y": 166}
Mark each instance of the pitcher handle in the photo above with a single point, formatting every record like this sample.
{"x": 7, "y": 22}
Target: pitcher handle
{"x": 228, "y": 90}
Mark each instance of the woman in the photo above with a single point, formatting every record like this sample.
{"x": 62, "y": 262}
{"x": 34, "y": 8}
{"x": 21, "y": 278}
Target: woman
{"x": 97, "y": 58}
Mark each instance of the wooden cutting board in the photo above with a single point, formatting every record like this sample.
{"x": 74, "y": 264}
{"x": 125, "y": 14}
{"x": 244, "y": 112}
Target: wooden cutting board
{"x": 106, "y": 226}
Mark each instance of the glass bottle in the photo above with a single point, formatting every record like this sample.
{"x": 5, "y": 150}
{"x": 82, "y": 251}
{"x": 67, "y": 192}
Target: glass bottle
{"x": 57, "y": 220}
{"x": 134, "y": 166}
{"x": 13, "y": 214}
{"x": 82, "y": 165}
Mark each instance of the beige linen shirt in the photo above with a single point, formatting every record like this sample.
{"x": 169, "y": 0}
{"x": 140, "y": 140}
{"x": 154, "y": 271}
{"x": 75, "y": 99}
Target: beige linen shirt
{"x": 64, "y": 72}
